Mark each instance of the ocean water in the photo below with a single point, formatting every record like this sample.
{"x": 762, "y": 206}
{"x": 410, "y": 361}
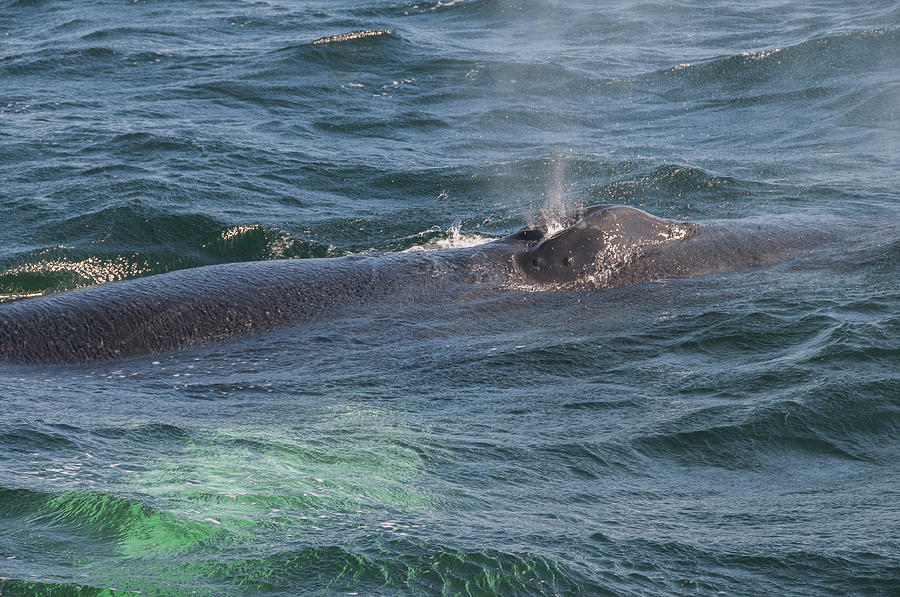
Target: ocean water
{"x": 730, "y": 434}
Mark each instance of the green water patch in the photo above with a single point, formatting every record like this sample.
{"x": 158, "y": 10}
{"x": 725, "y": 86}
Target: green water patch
{"x": 220, "y": 513}
{"x": 215, "y": 514}
{"x": 17, "y": 587}
{"x": 236, "y": 476}
{"x": 405, "y": 567}
{"x": 71, "y": 538}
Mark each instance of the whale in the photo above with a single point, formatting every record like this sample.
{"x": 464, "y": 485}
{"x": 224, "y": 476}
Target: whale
{"x": 601, "y": 246}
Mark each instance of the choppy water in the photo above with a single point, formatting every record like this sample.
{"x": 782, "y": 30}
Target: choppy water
{"x": 731, "y": 434}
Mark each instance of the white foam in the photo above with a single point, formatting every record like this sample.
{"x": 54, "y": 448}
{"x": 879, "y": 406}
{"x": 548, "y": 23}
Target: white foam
{"x": 455, "y": 240}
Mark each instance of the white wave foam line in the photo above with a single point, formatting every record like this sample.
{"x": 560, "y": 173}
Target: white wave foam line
{"x": 456, "y": 240}
{"x": 447, "y": 4}
{"x": 760, "y": 55}
{"x": 362, "y": 33}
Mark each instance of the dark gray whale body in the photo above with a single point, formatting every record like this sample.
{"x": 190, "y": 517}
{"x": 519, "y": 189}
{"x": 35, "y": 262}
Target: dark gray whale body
{"x": 598, "y": 247}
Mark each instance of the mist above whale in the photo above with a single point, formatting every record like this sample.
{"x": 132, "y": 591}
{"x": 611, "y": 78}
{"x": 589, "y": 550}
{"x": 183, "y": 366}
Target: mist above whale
{"x": 598, "y": 247}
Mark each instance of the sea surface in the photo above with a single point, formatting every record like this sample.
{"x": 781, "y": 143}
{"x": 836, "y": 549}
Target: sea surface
{"x": 730, "y": 434}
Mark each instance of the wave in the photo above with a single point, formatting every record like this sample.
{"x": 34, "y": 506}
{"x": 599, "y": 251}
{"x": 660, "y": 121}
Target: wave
{"x": 330, "y": 569}
{"x": 169, "y": 241}
{"x": 87, "y": 61}
{"x": 801, "y": 71}
{"x": 492, "y": 13}
{"x": 32, "y": 437}
{"x": 658, "y": 567}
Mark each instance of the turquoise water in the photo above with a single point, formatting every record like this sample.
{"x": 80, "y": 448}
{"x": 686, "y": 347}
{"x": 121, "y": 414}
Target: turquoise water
{"x": 735, "y": 433}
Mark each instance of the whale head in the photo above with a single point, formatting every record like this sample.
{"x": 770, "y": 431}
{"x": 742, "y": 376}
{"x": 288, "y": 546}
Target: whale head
{"x": 592, "y": 241}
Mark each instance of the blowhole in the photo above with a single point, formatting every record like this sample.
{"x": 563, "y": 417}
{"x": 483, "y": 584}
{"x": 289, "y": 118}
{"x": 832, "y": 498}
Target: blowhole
{"x": 529, "y": 234}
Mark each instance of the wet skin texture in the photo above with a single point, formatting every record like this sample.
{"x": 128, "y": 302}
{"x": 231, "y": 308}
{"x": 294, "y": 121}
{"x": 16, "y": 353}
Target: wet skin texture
{"x": 598, "y": 247}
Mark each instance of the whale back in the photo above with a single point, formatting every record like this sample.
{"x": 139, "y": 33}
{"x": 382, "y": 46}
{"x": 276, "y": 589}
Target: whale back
{"x": 192, "y": 306}
{"x": 598, "y": 247}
